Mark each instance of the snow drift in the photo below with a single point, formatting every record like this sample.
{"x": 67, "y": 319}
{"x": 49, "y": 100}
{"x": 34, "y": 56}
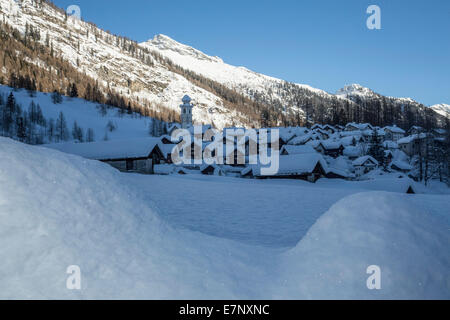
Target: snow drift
{"x": 407, "y": 236}
{"x": 58, "y": 210}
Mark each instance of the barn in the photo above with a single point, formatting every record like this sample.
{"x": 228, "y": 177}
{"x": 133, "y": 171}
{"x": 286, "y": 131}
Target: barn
{"x": 310, "y": 167}
{"x": 132, "y": 155}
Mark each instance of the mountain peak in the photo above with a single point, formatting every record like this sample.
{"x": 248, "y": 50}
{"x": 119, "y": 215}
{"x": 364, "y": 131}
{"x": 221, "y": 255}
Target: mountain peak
{"x": 165, "y": 43}
{"x": 354, "y": 89}
{"x": 163, "y": 39}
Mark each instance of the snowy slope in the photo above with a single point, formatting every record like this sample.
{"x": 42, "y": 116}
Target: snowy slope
{"x": 240, "y": 79}
{"x": 443, "y": 109}
{"x": 59, "y": 210}
{"x": 86, "y": 114}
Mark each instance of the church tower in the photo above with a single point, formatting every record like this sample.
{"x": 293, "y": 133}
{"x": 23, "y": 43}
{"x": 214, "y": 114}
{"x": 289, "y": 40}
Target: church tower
{"x": 186, "y": 112}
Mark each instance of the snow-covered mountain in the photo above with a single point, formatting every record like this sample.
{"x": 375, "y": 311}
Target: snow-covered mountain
{"x": 355, "y": 90}
{"x": 238, "y": 78}
{"x": 443, "y": 109}
{"x": 101, "y": 56}
{"x": 363, "y": 93}
{"x": 157, "y": 73}
{"x": 261, "y": 87}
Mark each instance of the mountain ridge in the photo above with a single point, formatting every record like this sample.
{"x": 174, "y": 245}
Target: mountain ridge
{"x": 157, "y": 73}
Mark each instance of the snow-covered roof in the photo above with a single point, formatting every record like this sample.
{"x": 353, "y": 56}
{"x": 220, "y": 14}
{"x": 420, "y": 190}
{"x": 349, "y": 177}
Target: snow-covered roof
{"x": 108, "y": 150}
{"x": 313, "y": 143}
{"x": 301, "y": 139}
{"x": 357, "y": 134}
{"x": 402, "y": 165}
{"x": 328, "y": 127}
{"x": 352, "y": 151}
{"x": 390, "y": 144}
{"x": 302, "y": 149}
{"x": 166, "y": 149}
{"x": 440, "y": 131}
{"x": 394, "y": 129}
{"x": 173, "y": 126}
{"x": 388, "y": 183}
{"x": 297, "y": 164}
{"x": 370, "y": 132}
{"x": 411, "y": 138}
{"x": 331, "y": 145}
{"x": 346, "y": 141}
{"x": 339, "y": 172}
{"x": 286, "y": 135}
{"x": 360, "y": 126}
{"x": 363, "y": 160}
{"x": 299, "y": 130}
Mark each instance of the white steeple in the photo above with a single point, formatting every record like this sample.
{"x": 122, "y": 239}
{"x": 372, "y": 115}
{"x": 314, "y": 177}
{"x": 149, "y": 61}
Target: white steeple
{"x": 186, "y": 112}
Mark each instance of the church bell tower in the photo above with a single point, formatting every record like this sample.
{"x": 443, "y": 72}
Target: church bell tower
{"x": 186, "y": 112}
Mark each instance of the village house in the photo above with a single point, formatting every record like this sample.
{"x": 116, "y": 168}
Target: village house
{"x": 322, "y": 134}
{"x": 301, "y": 140}
{"x": 415, "y": 130}
{"x": 302, "y": 149}
{"x": 368, "y": 134}
{"x": 393, "y": 133}
{"x": 172, "y": 127}
{"x": 401, "y": 166}
{"x": 329, "y": 128}
{"x": 132, "y": 155}
{"x": 413, "y": 144}
{"x": 390, "y": 145}
{"x": 352, "y": 152}
{"x": 439, "y": 133}
{"x": 309, "y": 167}
{"x": 335, "y": 173}
{"x": 352, "y": 126}
{"x": 330, "y": 148}
{"x": 364, "y": 164}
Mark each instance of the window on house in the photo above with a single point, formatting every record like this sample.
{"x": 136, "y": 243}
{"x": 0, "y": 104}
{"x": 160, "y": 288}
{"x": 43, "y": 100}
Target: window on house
{"x": 130, "y": 165}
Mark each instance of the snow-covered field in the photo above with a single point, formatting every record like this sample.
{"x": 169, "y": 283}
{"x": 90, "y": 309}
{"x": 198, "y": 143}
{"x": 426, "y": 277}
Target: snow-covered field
{"x": 177, "y": 237}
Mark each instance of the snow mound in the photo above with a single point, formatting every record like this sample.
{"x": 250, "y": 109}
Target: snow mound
{"x": 407, "y": 236}
{"x": 59, "y": 210}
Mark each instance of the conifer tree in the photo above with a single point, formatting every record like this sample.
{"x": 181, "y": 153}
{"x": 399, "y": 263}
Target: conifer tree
{"x": 62, "y": 133}
{"x": 376, "y": 149}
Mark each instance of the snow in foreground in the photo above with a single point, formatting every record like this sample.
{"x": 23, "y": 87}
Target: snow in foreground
{"x": 58, "y": 210}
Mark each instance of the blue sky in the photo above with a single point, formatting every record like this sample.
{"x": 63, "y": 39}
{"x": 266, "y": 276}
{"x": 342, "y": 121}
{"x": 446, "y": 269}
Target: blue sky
{"x": 325, "y": 44}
